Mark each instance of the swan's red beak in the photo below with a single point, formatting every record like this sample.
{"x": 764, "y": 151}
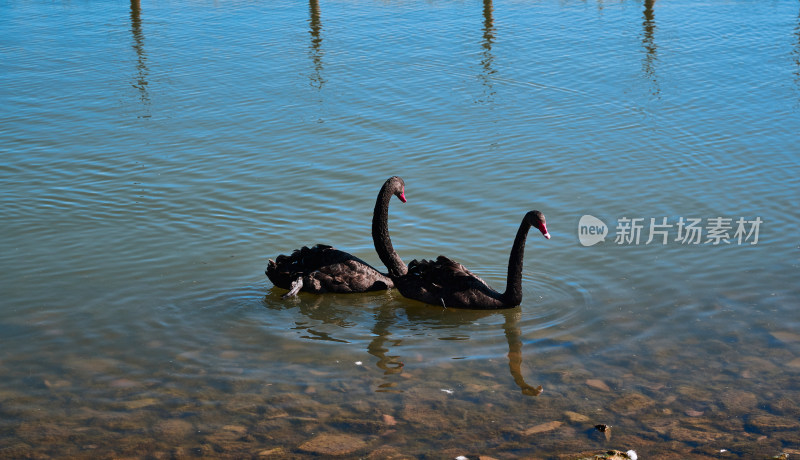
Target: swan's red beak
{"x": 402, "y": 196}
{"x": 543, "y": 229}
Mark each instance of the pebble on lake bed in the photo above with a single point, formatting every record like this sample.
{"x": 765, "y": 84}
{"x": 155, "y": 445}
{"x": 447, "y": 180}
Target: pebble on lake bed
{"x": 575, "y": 417}
{"x": 598, "y": 384}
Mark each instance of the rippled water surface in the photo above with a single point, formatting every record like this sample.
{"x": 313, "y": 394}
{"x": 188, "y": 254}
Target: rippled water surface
{"x": 155, "y": 155}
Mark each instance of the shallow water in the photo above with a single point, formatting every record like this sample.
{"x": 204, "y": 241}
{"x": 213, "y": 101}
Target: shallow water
{"x": 154, "y": 157}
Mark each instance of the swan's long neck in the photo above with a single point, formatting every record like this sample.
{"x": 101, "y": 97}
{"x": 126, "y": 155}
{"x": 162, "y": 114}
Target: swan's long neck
{"x": 380, "y": 234}
{"x": 513, "y": 294}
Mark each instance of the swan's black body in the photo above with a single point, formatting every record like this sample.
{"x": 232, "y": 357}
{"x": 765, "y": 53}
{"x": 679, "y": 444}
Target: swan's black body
{"x": 446, "y": 282}
{"x": 322, "y": 268}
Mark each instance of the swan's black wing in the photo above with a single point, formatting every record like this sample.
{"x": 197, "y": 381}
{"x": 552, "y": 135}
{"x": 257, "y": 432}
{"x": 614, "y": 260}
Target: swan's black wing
{"x": 324, "y": 268}
{"x": 444, "y": 271}
{"x": 446, "y": 282}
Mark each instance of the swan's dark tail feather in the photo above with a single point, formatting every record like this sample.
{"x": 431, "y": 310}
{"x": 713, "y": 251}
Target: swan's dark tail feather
{"x": 296, "y": 286}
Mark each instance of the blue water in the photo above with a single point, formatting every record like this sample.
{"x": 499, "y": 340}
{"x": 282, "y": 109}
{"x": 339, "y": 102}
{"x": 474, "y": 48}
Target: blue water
{"x": 154, "y": 157}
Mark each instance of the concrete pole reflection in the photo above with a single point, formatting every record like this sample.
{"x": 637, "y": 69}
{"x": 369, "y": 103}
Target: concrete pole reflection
{"x": 651, "y": 52}
{"x": 487, "y": 58}
{"x": 140, "y": 80}
{"x": 315, "y": 50}
{"x": 796, "y": 53}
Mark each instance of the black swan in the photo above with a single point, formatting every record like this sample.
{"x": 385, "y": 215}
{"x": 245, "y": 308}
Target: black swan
{"x": 322, "y": 268}
{"x": 448, "y": 283}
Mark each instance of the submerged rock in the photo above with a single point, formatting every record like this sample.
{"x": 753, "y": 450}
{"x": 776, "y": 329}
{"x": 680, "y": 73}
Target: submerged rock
{"x": 426, "y": 416}
{"x": 173, "y": 429}
{"x": 388, "y": 453}
{"x": 598, "y": 384}
{"x": 609, "y": 455}
{"x": 695, "y": 436}
{"x": 333, "y": 444}
{"x": 738, "y": 401}
{"x": 542, "y": 428}
{"x": 575, "y": 417}
{"x": 140, "y": 403}
{"x": 786, "y": 337}
{"x": 632, "y": 403}
{"x": 766, "y": 423}
{"x": 275, "y": 452}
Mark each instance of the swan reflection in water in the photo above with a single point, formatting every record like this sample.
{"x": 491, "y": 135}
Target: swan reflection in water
{"x": 391, "y": 364}
{"x": 393, "y": 318}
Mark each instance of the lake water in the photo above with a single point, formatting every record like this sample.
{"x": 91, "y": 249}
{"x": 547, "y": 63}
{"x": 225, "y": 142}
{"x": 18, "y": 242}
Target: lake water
{"x": 155, "y": 156}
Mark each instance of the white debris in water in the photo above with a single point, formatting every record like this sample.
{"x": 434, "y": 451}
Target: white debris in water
{"x": 461, "y": 457}
{"x": 359, "y": 363}
{"x": 448, "y": 391}
{"x": 632, "y": 455}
